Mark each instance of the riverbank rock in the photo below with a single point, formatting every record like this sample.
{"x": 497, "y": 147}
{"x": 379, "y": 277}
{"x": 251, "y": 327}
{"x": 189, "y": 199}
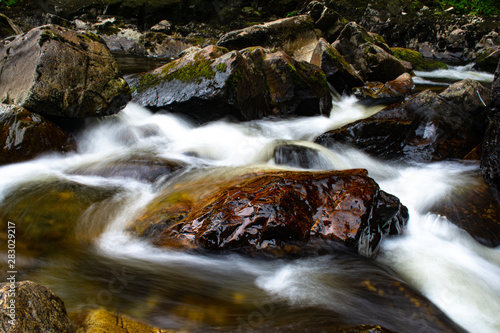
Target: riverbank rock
{"x": 287, "y": 34}
{"x": 37, "y": 309}
{"x": 102, "y": 321}
{"x": 326, "y": 19}
{"x": 418, "y": 62}
{"x": 368, "y": 54}
{"x": 247, "y": 84}
{"x": 7, "y": 27}
{"x": 26, "y": 135}
{"x": 55, "y": 71}
{"x": 339, "y": 73}
{"x": 386, "y": 93}
{"x": 279, "y": 212}
{"x": 428, "y": 127}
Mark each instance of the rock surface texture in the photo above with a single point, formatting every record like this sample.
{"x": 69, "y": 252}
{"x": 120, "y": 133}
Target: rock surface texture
{"x": 25, "y": 135}
{"x": 277, "y": 212}
{"x": 37, "y": 309}
{"x": 55, "y": 71}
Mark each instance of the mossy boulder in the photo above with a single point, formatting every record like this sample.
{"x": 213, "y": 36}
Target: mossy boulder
{"x": 428, "y": 127}
{"x": 275, "y": 212}
{"x": 249, "y": 84}
{"x": 326, "y": 19}
{"x": 37, "y": 309}
{"x": 55, "y": 71}
{"x": 25, "y": 135}
{"x": 339, "y": 73}
{"x": 418, "y": 62}
{"x": 368, "y": 54}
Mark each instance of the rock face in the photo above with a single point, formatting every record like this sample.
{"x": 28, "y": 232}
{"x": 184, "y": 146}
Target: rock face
{"x": 248, "y": 84}
{"x": 368, "y": 54}
{"x": 277, "y": 212}
{"x": 55, "y": 71}
{"x": 339, "y": 73}
{"x": 25, "y": 135}
{"x": 37, "y": 309}
{"x": 490, "y": 157}
{"x": 390, "y": 92}
{"x": 428, "y": 127}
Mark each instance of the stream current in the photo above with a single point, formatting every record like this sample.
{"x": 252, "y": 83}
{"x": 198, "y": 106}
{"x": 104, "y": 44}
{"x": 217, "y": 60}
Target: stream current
{"x": 102, "y": 266}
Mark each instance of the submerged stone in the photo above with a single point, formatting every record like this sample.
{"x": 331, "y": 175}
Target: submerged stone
{"x": 276, "y": 212}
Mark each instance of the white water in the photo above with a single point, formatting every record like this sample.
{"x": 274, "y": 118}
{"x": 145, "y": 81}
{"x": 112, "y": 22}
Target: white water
{"x": 453, "y": 73}
{"x": 443, "y": 262}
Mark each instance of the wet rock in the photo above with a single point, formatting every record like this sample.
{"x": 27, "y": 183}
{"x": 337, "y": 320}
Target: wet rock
{"x": 248, "y": 84}
{"x": 488, "y": 61}
{"x": 101, "y": 321}
{"x": 25, "y": 135}
{"x": 364, "y": 329}
{"x": 144, "y": 168}
{"x": 474, "y": 209}
{"x": 339, "y": 73}
{"x": 37, "y": 309}
{"x": 368, "y": 54}
{"x": 300, "y": 157}
{"x": 386, "y": 93}
{"x": 418, "y": 62}
{"x": 55, "y": 71}
{"x": 276, "y": 212}
{"x": 428, "y": 127}
{"x": 7, "y": 27}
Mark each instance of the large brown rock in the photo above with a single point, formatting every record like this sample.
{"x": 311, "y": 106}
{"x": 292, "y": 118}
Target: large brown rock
{"x": 37, "y": 309}
{"x": 55, "y": 71}
{"x": 368, "y": 54}
{"x": 275, "y": 212}
{"x": 339, "y": 73}
{"x": 248, "y": 84}
{"x": 24, "y": 135}
{"x": 428, "y": 127}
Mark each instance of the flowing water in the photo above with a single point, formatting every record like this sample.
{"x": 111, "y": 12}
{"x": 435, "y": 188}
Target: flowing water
{"x": 95, "y": 263}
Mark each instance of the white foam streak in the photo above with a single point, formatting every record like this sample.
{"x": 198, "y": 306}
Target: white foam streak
{"x": 456, "y": 73}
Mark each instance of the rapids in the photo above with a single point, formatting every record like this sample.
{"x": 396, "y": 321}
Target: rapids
{"x": 102, "y": 266}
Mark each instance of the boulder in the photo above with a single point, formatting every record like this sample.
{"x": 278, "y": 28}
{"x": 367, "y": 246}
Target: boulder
{"x": 102, "y": 321}
{"x": 37, "y": 309}
{"x": 386, "y": 93}
{"x": 416, "y": 59}
{"x": 248, "y": 84}
{"x": 339, "y": 73}
{"x": 55, "y": 71}
{"x": 299, "y": 156}
{"x": 7, "y": 27}
{"x": 428, "y": 127}
{"x": 275, "y": 34}
{"x": 278, "y": 212}
{"x": 326, "y": 19}
{"x": 26, "y": 135}
{"x": 368, "y": 54}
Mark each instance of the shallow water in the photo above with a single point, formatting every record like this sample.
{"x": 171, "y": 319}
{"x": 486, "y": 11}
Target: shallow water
{"x": 97, "y": 264}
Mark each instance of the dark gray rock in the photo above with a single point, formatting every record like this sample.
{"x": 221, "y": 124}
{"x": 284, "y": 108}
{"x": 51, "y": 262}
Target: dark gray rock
{"x": 55, "y": 71}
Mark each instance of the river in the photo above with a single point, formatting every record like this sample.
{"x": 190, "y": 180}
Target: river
{"x": 99, "y": 265}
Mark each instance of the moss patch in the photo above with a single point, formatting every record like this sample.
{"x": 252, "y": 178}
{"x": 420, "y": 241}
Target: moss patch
{"x": 222, "y": 67}
{"x": 417, "y": 60}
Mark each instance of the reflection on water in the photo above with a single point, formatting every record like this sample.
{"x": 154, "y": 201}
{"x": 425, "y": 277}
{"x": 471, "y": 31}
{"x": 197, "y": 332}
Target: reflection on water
{"x": 98, "y": 264}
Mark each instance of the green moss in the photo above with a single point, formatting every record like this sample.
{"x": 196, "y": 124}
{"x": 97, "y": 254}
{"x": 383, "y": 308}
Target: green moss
{"x": 235, "y": 78}
{"x": 200, "y": 69}
{"x": 148, "y": 80}
{"x": 221, "y": 67}
{"x": 417, "y": 60}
